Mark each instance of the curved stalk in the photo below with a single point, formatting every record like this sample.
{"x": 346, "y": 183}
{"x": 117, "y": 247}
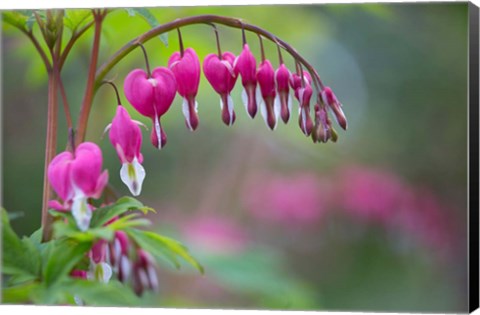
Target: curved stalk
{"x": 201, "y": 19}
{"x": 89, "y": 89}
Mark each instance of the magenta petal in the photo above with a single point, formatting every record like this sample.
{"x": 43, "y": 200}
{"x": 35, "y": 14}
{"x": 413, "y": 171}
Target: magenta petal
{"x": 266, "y": 79}
{"x": 59, "y": 175}
{"x": 219, "y": 73}
{"x": 165, "y": 89}
{"x": 139, "y": 92}
{"x": 99, "y": 251}
{"x": 246, "y": 66}
{"x": 125, "y": 136}
{"x": 101, "y": 183}
{"x": 187, "y": 72}
{"x": 86, "y": 168}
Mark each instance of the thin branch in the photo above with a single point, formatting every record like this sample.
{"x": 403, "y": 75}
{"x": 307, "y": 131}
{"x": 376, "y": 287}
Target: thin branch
{"x": 66, "y": 107}
{"x": 75, "y": 36}
{"x": 89, "y": 89}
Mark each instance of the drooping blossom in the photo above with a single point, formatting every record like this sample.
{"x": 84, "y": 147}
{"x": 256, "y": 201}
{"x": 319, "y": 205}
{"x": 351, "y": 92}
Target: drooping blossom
{"x": 186, "y": 69}
{"x": 323, "y": 130}
{"x": 246, "y": 65}
{"x": 269, "y": 104}
{"x": 282, "y": 82}
{"x": 126, "y": 138}
{"x": 152, "y": 97}
{"x": 100, "y": 270}
{"x": 303, "y": 93}
{"x": 118, "y": 255}
{"x": 76, "y": 178}
{"x": 144, "y": 276}
{"x": 216, "y": 234}
{"x": 222, "y": 77}
{"x": 299, "y": 199}
{"x": 331, "y": 100}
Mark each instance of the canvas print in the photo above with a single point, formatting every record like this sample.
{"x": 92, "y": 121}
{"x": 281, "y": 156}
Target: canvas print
{"x": 292, "y": 157}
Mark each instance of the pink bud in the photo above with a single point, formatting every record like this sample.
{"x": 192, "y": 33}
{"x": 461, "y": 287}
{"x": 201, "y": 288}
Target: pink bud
{"x": 322, "y": 130}
{"x": 282, "y": 79}
{"x": 296, "y": 81}
{"x": 126, "y": 137}
{"x": 304, "y": 120}
{"x": 144, "y": 275}
{"x": 77, "y": 273}
{"x": 246, "y": 66}
{"x": 220, "y": 74}
{"x": 331, "y": 100}
{"x": 59, "y": 175}
{"x": 266, "y": 82}
{"x": 151, "y": 97}
{"x": 87, "y": 172}
{"x": 98, "y": 251}
{"x": 187, "y": 74}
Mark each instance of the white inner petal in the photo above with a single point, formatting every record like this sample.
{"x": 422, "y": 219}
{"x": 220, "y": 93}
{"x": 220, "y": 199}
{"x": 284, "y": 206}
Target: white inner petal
{"x": 245, "y": 99}
{"x": 186, "y": 113}
{"x": 132, "y": 175}
{"x": 230, "y": 108}
{"x": 81, "y": 211}
{"x": 158, "y": 131}
{"x": 277, "y": 107}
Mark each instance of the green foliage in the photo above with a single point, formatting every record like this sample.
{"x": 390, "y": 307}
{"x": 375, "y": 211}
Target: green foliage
{"x": 74, "y": 19}
{"x": 151, "y": 20}
{"x": 162, "y": 247}
{"x": 40, "y": 272}
{"x": 21, "y": 19}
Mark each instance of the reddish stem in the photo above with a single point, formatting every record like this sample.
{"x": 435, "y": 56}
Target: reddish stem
{"x": 88, "y": 96}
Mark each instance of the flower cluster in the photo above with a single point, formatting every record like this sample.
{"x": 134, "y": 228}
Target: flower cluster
{"x": 130, "y": 263}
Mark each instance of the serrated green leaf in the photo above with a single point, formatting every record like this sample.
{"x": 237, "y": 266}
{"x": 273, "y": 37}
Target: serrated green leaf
{"x": 73, "y": 19}
{"x": 163, "y": 247}
{"x": 19, "y": 257}
{"x": 102, "y": 215}
{"x": 64, "y": 255}
{"x": 151, "y": 20}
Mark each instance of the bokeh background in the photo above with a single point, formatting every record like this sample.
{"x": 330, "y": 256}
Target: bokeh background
{"x": 374, "y": 222}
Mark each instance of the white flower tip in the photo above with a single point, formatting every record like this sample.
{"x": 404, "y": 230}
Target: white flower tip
{"x": 132, "y": 175}
{"x": 81, "y": 212}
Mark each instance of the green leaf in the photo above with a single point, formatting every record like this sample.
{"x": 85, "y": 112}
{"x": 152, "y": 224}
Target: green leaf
{"x": 63, "y": 256}
{"x": 73, "y": 19}
{"x": 102, "y": 215}
{"x": 20, "y": 293}
{"x": 151, "y": 20}
{"x": 62, "y": 229}
{"x": 163, "y": 247}
{"x": 18, "y": 256}
{"x": 94, "y": 293}
{"x": 16, "y": 18}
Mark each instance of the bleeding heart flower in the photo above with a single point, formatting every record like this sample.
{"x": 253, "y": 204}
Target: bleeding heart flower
{"x": 304, "y": 119}
{"x": 186, "y": 69}
{"x": 329, "y": 98}
{"x": 118, "y": 255}
{"x": 76, "y": 178}
{"x": 126, "y": 138}
{"x": 282, "y": 79}
{"x": 152, "y": 97}
{"x": 246, "y": 65}
{"x": 143, "y": 273}
{"x": 322, "y": 131}
{"x": 270, "y": 105}
{"x": 220, "y": 74}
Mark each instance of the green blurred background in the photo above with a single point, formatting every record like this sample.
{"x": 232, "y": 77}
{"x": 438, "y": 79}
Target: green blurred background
{"x": 384, "y": 226}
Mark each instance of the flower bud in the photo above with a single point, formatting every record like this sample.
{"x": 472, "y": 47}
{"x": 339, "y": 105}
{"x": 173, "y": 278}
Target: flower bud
{"x": 331, "y": 100}
{"x": 220, "y": 74}
{"x": 246, "y": 65}
{"x": 269, "y": 104}
{"x": 186, "y": 69}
